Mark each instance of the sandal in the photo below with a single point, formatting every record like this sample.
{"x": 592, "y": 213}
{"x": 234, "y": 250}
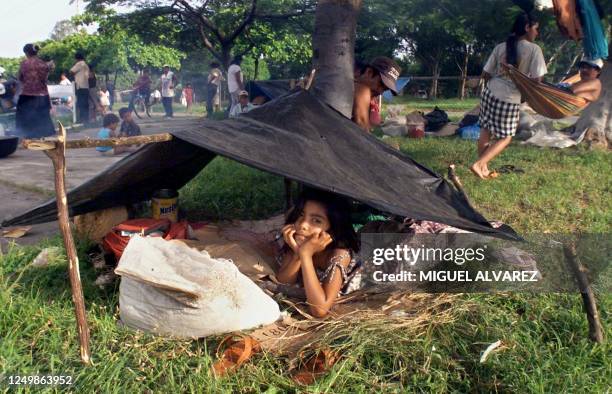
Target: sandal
{"x": 509, "y": 168}
{"x": 238, "y": 351}
{"x": 316, "y": 366}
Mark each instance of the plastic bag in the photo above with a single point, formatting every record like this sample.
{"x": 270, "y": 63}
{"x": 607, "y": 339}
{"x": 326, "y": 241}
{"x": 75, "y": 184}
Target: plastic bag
{"x": 170, "y": 289}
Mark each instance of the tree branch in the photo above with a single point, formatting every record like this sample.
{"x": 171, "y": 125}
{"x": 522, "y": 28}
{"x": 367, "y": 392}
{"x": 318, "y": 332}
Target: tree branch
{"x": 248, "y": 19}
{"x": 208, "y": 44}
{"x": 201, "y": 19}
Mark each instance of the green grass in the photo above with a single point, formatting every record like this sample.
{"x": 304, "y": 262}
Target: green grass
{"x": 450, "y": 104}
{"x": 545, "y": 336}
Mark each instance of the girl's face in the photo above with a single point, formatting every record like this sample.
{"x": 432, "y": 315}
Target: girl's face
{"x": 312, "y": 220}
{"x": 532, "y": 31}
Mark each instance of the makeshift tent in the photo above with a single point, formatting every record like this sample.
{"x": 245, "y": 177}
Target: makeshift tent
{"x": 544, "y": 98}
{"x": 268, "y": 89}
{"x": 297, "y": 137}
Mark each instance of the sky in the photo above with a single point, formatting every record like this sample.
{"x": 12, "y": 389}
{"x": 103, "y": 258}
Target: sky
{"x": 25, "y": 21}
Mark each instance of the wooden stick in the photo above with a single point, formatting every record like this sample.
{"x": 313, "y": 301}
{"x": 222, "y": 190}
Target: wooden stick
{"x": 588, "y": 297}
{"x": 59, "y": 163}
{"x": 310, "y": 79}
{"x": 452, "y": 175}
{"x": 50, "y": 143}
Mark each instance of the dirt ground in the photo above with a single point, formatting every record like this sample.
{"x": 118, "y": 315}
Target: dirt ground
{"x": 26, "y": 178}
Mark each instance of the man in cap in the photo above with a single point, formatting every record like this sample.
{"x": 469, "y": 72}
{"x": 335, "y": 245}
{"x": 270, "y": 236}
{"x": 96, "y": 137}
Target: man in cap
{"x": 379, "y": 75}
{"x": 167, "y": 82}
{"x": 242, "y": 106}
{"x": 589, "y": 86}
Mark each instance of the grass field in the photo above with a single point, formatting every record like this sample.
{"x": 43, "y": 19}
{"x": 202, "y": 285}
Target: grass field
{"x": 545, "y": 336}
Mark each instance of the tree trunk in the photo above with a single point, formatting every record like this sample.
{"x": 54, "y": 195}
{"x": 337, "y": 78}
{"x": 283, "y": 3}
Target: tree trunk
{"x": 598, "y": 115}
{"x": 333, "y": 45}
{"x": 226, "y": 58}
{"x": 256, "y": 68}
{"x": 433, "y": 91}
{"x": 464, "y": 73}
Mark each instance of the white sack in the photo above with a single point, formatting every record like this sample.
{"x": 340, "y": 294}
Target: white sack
{"x": 170, "y": 289}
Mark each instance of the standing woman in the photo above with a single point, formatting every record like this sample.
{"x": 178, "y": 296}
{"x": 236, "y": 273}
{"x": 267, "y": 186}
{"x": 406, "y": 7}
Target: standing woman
{"x": 499, "y": 105}
{"x": 94, "y": 99}
{"x": 33, "y": 118}
{"x": 212, "y": 88}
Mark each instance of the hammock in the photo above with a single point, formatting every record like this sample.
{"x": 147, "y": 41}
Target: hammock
{"x": 544, "y": 98}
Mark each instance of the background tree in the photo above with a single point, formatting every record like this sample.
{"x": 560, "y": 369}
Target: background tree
{"x": 220, "y": 24}
{"x": 63, "y": 29}
{"x": 598, "y": 116}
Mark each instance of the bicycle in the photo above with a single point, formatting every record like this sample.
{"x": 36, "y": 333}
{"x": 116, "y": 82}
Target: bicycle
{"x": 140, "y": 104}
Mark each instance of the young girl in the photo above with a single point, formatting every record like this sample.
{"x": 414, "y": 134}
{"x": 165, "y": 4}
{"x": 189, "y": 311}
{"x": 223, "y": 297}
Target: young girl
{"x": 104, "y": 97}
{"x": 499, "y": 105}
{"x": 319, "y": 246}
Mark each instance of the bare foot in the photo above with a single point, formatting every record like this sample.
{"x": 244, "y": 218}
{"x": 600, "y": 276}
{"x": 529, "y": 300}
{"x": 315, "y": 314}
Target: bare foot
{"x": 479, "y": 170}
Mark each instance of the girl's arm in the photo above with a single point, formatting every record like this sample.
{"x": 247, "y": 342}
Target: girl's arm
{"x": 290, "y": 267}
{"x": 321, "y": 297}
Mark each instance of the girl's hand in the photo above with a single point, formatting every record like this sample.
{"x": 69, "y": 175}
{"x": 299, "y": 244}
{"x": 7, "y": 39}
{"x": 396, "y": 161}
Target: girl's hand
{"x": 288, "y": 235}
{"x": 315, "y": 243}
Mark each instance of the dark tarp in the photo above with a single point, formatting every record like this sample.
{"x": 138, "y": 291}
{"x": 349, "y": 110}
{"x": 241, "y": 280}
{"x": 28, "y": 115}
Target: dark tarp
{"x": 269, "y": 89}
{"x": 297, "y": 137}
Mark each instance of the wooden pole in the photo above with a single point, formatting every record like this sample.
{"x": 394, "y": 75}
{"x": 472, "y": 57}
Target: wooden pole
{"x": 59, "y": 163}
{"x": 51, "y": 143}
{"x": 310, "y": 79}
{"x": 452, "y": 175}
{"x": 588, "y": 297}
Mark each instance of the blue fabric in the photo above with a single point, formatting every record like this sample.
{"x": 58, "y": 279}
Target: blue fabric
{"x": 401, "y": 82}
{"x": 594, "y": 42}
{"x": 104, "y": 134}
{"x": 470, "y": 132}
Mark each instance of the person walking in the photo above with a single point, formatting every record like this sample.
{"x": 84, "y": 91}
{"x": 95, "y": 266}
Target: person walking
{"x": 167, "y": 82}
{"x": 212, "y": 88}
{"x": 33, "y": 118}
{"x": 499, "y": 105}
{"x": 80, "y": 70}
{"x": 235, "y": 81}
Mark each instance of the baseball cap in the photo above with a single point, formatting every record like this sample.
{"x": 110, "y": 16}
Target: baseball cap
{"x": 389, "y": 72}
{"x": 243, "y": 93}
{"x": 165, "y": 65}
{"x": 597, "y": 63}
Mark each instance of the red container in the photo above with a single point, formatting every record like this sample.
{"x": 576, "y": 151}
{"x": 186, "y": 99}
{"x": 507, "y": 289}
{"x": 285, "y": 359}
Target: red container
{"x": 416, "y": 130}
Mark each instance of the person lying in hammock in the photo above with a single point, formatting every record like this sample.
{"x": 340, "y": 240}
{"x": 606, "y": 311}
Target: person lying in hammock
{"x": 320, "y": 244}
{"x": 589, "y": 86}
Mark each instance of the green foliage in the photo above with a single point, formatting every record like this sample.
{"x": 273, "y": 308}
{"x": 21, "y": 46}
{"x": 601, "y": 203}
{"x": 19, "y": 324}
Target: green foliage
{"x": 265, "y": 35}
{"x": 377, "y": 33}
{"x": 11, "y": 65}
{"x": 248, "y": 68}
{"x": 287, "y": 51}
{"x": 110, "y": 52}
